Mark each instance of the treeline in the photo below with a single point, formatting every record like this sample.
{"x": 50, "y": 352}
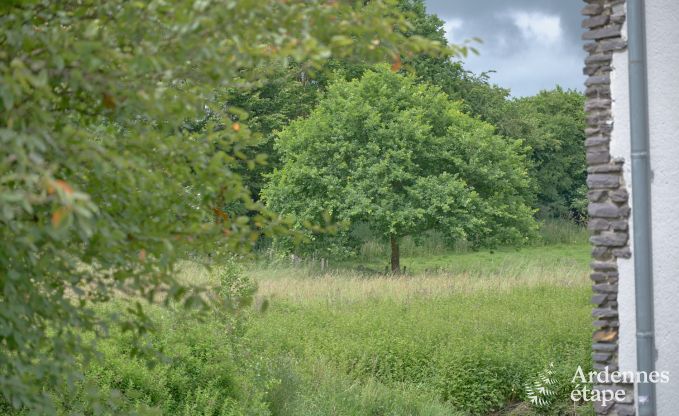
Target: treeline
{"x": 547, "y": 130}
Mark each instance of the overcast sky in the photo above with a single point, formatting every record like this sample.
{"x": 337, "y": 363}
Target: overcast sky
{"x": 531, "y": 44}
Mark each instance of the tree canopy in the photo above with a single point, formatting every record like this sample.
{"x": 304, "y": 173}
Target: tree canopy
{"x": 401, "y": 157}
{"x": 553, "y": 124}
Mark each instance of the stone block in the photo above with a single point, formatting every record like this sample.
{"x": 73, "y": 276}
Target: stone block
{"x": 605, "y": 288}
{"x": 611, "y": 45}
{"x": 604, "y": 266}
{"x": 620, "y": 225}
{"x": 596, "y": 195}
{"x": 600, "y": 58}
{"x": 592, "y": 9}
{"x": 605, "y": 346}
{"x": 603, "y": 33}
{"x": 619, "y": 195}
{"x": 603, "y": 210}
{"x": 610, "y": 239}
{"x": 599, "y": 299}
{"x": 604, "y": 313}
{"x": 601, "y": 357}
{"x": 595, "y": 21}
{"x": 623, "y": 253}
{"x": 596, "y": 140}
{"x": 602, "y": 180}
{"x": 598, "y": 224}
{"x": 598, "y": 79}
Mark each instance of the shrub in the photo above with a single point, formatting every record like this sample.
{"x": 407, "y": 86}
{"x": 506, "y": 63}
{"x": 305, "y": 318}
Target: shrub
{"x": 235, "y": 288}
{"x": 201, "y": 370}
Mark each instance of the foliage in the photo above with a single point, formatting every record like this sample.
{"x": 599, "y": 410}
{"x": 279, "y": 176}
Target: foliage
{"x": 201, "y": 371}
{"x": 402, "y": 158}
{"x": 479, "y": 97}
{"x": 553, "y": 125}
{"x": 235, "y": 287}
{"x": 105, "y": 181}
{"x": 560, "y": 189}
{"x": 562, "y": 231}
{"x": 287, "y": 94}
{"x": 541, "y": 390}
{"x": 293, "y": 91}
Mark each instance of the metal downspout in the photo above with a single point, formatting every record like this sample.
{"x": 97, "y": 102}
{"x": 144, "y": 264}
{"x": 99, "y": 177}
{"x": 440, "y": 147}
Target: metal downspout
{"x": 641, "y": 202}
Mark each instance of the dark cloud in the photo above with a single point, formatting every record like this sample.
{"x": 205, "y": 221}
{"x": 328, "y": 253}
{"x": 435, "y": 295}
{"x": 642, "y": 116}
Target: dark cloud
{"x": 531, "y": 44}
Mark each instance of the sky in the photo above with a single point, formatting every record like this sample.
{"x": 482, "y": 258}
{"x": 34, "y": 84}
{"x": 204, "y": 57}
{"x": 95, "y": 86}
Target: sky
{"x": 531, "y": 44}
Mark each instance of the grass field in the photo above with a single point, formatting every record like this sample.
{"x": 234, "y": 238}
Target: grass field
{"x": 438, "y": 275}
{"x": 466, "y": 330}
{"x": 461, "y": 333}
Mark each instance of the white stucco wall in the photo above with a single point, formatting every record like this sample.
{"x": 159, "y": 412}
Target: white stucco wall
{"x": 662, "y": 26}
{"x": 620, "y": 147}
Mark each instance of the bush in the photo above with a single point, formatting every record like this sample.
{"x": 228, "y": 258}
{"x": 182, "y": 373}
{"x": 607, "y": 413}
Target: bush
{"x": 186, "y": 366}
{"x": 235, "y": 288}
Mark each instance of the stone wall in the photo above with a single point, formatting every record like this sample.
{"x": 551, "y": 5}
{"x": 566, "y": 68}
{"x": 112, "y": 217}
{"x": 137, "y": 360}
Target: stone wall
{"x": 608, "y": 198}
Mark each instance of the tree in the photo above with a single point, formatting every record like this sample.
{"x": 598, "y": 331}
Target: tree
{"x": 287, "y": 94}
{"x": 402, "y": 158}
{"x": 553, "y": 125}
{"x": 293, "y": 91}
{"x": 105, "y": 185}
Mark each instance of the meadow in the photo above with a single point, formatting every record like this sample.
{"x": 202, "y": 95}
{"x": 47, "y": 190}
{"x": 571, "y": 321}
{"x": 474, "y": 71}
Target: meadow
{"x": 461, "y": 333}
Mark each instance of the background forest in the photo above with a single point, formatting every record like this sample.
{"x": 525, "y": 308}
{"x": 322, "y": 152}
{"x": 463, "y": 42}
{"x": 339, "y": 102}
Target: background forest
{"x": 281, "y": 208}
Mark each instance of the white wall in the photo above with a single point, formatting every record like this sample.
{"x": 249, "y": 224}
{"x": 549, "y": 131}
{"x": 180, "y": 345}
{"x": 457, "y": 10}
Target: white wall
{"x": 620, "y": 147}
{"x": 662, "y": 26}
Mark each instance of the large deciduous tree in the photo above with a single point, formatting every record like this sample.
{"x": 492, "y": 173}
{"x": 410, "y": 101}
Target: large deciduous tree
{"x": 403, "y": 158}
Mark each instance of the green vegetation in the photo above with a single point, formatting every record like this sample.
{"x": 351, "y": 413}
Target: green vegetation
{"x": 137, "y": 147}
{"x": 459, "y": 348}
{"x": 553, "y": 125}
{"x": 402, "y": 159}
{"x": 327, "y": 342}
{"x": 110, "y": 170}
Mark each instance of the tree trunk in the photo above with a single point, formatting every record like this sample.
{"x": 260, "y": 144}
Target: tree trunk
{"x": 395, "y": 256}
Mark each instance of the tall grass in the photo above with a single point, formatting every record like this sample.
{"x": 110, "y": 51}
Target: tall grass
{"x": 431, "y": 243}
{"x": 504, "y": 263}
{"x": 466, "y": 328}
{"x": 461, "y": 333}
{"x": 432, "y": 277}
{"x": 562, "y": 231}
{"x": 472, "y": 351}
{"x": 334, "y": 288}
{"x": 552, "y": 231}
